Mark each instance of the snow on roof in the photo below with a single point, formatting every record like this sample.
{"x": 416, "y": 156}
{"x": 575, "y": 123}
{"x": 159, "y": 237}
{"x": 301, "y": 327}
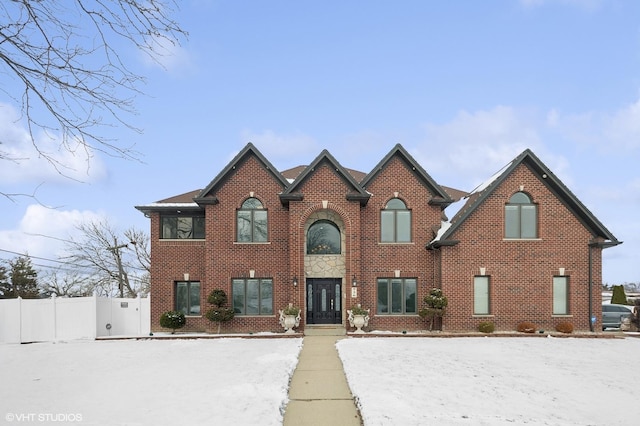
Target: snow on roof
{"x": 489, "y": 181}
{"x": 169, "y": 205}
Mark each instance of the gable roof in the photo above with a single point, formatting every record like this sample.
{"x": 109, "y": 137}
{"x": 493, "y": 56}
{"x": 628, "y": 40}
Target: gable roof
{"x": 440, "y": 195}
{"x": 208, "y": 194}
{"x": 553, "y": 183}
{"x": 356, "y": 193}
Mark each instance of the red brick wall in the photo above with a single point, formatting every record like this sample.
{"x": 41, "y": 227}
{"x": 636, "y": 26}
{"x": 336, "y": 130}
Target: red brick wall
{"x": 380, "y": 260}
{"x": 521, "y": 271}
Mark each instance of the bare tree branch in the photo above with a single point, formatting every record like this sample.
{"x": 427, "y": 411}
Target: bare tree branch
{"x": 64, "y": 64}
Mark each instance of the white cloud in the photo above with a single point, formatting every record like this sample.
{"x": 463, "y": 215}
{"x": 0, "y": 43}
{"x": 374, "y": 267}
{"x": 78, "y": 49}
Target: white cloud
{"x": 601, "y": 130}
{"x": 23, "y": 162}
{"x": 473, "y": 146}
{"x": 168, "y": 55}
{"x": 41, "y": 231}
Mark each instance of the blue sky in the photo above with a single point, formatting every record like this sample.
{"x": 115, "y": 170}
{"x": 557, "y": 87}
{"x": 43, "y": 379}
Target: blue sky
{"x": 464, "y": 86}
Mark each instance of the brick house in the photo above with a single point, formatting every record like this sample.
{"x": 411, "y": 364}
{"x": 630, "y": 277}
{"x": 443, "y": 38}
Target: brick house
{"x": 324, "y": 237}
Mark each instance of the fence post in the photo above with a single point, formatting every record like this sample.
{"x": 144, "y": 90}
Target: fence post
{"x": 55, "y": 317}
{"x": 20, "y": 316}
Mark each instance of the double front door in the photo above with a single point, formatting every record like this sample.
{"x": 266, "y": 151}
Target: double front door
{"x": 323, "y": 301}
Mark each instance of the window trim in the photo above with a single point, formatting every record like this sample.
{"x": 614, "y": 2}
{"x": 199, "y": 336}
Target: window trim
{"x": 389, "y": 281}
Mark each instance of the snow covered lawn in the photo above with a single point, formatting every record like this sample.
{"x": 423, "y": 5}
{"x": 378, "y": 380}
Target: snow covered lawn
{"x": 147, "y": 382}
{"x": 397, "y": 381}
{"x": 494, "y": 381}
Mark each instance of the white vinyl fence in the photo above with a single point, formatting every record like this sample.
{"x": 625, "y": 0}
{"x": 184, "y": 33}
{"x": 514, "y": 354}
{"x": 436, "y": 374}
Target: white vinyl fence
{"x": 62, "y": 318}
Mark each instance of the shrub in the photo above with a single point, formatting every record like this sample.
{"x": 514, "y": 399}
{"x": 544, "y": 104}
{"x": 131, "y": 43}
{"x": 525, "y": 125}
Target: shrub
{"x": 173, "y": 320}
{"x": 291, "y": 310}
{"x": 217, "y": 298}
{"x": 526, "y": 327}
{"x": 435, "y": 306}
{"x": 358, "y": 310}
{"x": 564, "y": 327}
{"x": 486, "y": 327}
{"x": 219, "y": 313}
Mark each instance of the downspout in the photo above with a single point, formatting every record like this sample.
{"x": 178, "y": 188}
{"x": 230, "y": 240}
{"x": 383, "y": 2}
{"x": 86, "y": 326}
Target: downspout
{"x": 590, "y": 246}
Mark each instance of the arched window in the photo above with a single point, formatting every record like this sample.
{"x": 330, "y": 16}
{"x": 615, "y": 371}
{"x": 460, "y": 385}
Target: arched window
{"x": 395, "y": 222}
{"x": 323, "y": 237}
{"x": 252, "y": 221}
{"x": 520, "y": 217}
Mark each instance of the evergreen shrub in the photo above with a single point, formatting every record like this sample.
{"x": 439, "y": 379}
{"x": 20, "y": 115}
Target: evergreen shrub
{"x": 486, "y": 327}
{"x": 173, "y": 320}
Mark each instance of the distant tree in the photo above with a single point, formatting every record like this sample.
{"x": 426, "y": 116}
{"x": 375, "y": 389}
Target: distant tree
{"x": 65, "y": 64}
{"x": 61, "y": 282}
{"x": 24, "y": 279}
{"x": 5, "y": 285}
{"x": 618, "y": 297}
{"x": 111, "y": 259}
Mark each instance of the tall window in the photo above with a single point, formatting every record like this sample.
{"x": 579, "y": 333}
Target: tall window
{"x": 182, "y": 227}
{"x": 252, "y": 296}
{"x": 395, "y": 222}
{"x": 560, "y": 295}
{"x": 396, "y": 296}
{"x": 252, "y": 222}
{"x": 521, "y": 217}
{"x": 323, "y": 237}
{"x": 481, "y": 295}
{"x": 188, "y": 297}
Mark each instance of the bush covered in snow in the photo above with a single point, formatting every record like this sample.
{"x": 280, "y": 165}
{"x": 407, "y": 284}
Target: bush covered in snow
{"x": 173, "y": 320}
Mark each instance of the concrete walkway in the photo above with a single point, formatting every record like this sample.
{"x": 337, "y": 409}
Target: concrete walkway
{"x": 319, "y": 393}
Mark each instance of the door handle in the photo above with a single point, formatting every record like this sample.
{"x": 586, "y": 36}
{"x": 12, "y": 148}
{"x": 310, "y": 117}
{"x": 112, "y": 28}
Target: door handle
{"x": 332, "y": 304}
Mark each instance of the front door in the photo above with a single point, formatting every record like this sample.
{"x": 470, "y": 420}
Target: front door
{"x": 323, "y": 301}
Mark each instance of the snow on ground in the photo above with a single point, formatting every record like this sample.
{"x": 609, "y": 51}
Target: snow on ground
{"x": 147, "y": 382}
{"x": 396, "y": 381}
{"x": 493, "y": 381}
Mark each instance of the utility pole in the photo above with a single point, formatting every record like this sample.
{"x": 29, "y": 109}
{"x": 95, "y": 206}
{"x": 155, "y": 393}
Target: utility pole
{"x": 116, "y": 252}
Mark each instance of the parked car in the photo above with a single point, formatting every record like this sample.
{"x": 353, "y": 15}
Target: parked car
{"x": 612, "y": 315}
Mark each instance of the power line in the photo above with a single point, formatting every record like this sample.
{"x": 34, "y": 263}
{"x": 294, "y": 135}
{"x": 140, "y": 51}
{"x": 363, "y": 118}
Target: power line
{"x": 35, "y": 257}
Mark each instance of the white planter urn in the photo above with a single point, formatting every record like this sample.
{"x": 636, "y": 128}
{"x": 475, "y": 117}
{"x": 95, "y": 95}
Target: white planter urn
{"x": 358, "y": 320}
{"x": 289, "y": 322}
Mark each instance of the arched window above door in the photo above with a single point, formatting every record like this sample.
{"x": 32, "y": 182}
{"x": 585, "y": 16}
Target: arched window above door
{"x": 323, "y": 237}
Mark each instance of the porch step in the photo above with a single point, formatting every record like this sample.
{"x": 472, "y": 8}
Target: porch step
{"x": 324, "y": 330}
